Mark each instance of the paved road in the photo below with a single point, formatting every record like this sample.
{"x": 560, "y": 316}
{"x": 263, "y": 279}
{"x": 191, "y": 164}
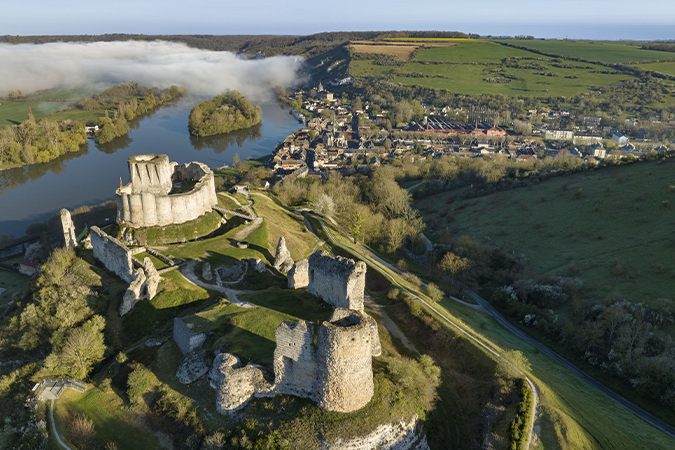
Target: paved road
{"x": 56, "y": 433}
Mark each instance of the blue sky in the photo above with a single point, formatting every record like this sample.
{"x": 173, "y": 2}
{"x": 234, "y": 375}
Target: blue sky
{"x": 591, "y": 19}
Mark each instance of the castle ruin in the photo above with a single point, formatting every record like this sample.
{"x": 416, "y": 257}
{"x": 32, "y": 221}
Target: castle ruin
{"x": 338, "y": 372}
{"x": 147, "y": 200}
{"x": 118, "y": 258}
{"x": 338, "y": 281}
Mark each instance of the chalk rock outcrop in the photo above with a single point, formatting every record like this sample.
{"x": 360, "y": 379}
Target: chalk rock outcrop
{"x": 206, "y": 272}
{"x": 69, "y": 237}
{"x": 298, "y": 276}
{"x": 235, "y": 385}
{"x": 339, "y": 281}
{"x": 394, "y": 436}
{"x": 283, "y": 261}
{"x": 192, "y": 368}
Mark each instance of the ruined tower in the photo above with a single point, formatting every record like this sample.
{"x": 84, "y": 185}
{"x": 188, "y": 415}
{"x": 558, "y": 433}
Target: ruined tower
{"x": 344, "y": 362}
{"x": 339, "y": 281}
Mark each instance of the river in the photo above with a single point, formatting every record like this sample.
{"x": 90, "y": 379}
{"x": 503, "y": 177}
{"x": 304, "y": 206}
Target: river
{"x": 35, "y": 193}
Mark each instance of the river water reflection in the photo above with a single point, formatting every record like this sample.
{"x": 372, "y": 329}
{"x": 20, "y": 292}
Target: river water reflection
{"x": 35, "y": 193}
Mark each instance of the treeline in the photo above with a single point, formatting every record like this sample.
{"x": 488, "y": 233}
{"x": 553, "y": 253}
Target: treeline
{"x": 373, "y": 208}
{"x": 660, "y": 46}
{"x": 126, "y": 101}
{"x": 54, "y": 330}
{"x": 227, "y": 112}
{"x": 34, "y": 142}
{"x": 250, "y": 44}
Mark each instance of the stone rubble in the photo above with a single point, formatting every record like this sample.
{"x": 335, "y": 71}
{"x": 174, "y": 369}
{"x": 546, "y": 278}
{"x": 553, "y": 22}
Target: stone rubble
{"x": 193, "y": 367}
{"x": 206, "y": 272}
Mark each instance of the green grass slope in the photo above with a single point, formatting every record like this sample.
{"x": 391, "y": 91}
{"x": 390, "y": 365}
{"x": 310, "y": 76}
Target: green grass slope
{"x": 612, "y": 227}
{"x": 610, "y": 52}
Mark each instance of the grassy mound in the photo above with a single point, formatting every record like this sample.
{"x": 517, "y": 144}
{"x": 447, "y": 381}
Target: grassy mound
{"x": 169, "y": 234}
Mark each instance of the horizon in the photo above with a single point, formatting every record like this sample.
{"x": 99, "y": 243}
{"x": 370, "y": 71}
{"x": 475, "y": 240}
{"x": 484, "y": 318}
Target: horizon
{"x": 572, "y": 19}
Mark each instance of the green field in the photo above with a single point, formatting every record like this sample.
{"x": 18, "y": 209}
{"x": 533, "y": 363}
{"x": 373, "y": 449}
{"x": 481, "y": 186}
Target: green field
{"x": 473, "y": 51}
{"x": 81, "y": 115}
{"x": 609, "y": 227}
{"x": 469, "y": 78}
{"x": 664, "y": 67}
{"x": 13, "y": 113}
{"x": 610, "y": 52}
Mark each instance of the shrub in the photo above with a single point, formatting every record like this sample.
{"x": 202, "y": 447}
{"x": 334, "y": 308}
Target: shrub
{"x": 138, "y": 382}
{"x": 82, "y": 433}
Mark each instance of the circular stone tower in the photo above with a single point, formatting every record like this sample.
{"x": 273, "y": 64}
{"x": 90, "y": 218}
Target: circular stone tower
{"x": 344, "y": 362}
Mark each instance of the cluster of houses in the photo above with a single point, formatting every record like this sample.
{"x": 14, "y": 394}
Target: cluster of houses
{"x": 332, "y": 141}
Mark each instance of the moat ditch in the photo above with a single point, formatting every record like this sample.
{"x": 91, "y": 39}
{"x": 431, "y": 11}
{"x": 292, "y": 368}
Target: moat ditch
{"x": 35, "y": 193}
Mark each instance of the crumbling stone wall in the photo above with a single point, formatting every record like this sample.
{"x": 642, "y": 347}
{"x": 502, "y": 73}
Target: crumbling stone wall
{"x": 391, "y": 436}
{"x": 295, "y": 360}
{"x": 338, "y": 281}
{"x": 298, "y": 276}
{"x": 235, "y": 385}
{"x": 187, "y": 340}
{"x": 145, "y": 201}
{"x": 114, "y": 255}
{"x": 68, "y": 229}
{"x": 344, "y": 356}
{"x": 283, "y": 261}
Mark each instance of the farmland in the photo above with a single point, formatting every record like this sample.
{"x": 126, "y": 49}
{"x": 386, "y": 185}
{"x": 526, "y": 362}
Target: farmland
{"x": 663, "y": 67}
{"x": 609, "y": 52}
{"x": 483, "y": 67}
{"x": 13, "y": 113}
{"x": 401, "y": 51}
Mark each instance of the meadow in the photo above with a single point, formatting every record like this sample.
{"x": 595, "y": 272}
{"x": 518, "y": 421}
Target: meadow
{"x": 13, "y": 113}
{"x": 473, "y": 51}
{"x": 609, "y": 52}
{"x": 663, "y": 67}
{"x": 608, "y": 227}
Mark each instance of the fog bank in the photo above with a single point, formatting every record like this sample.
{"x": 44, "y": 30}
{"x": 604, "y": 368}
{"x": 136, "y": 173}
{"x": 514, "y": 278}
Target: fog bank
{"x": 31, "y": 67}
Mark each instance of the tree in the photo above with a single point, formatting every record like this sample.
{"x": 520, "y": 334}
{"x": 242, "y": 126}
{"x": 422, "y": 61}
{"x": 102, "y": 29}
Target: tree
{"x": 83, "y": 349}
{"x": 454, "y": 265}
{"x": 434, "y": 292}
{"x": 324, "y": 205}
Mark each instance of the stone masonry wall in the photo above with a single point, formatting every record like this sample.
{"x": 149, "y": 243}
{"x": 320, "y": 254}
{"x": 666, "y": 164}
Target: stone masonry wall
{"x": 345, "y": 369}
{"x": 298, "y": 276}
{"x": 69, "y": 237}
{"x": 187, "y": 340}
{"x": 338, "y": 281}
{"x": 145, "y": 201}
{"x": 295, "y": 360}
{"x": 114, "y": 255}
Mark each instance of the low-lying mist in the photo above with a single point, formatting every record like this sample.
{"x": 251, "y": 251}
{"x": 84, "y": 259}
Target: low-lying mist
{"x": 32, "y": 67}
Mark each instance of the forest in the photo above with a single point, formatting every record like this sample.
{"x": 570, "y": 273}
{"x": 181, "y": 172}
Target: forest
{"x": 227, "y": 112}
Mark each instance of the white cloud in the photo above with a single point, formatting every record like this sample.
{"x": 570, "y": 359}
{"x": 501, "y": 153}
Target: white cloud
{"x": 30, "y": 67}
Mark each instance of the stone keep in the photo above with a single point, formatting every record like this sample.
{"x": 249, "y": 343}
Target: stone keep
{"x": 338, "y": 372}
{"x": 295, "y": 360}
{"x": 114, "y": 255}
{"x": 69, "y": 237}
{"x": 344, "y": 362}
{"x": 146, "y": 202}
{"x": 339, "y": 281}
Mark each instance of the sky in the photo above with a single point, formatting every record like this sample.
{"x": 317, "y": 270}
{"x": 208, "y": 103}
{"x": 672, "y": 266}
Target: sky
{"x": 580, "y": 19}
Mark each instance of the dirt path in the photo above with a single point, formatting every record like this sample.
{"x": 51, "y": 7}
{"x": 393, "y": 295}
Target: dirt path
{"x": 391, "y": 326}
{"x": 188, "y": 272}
